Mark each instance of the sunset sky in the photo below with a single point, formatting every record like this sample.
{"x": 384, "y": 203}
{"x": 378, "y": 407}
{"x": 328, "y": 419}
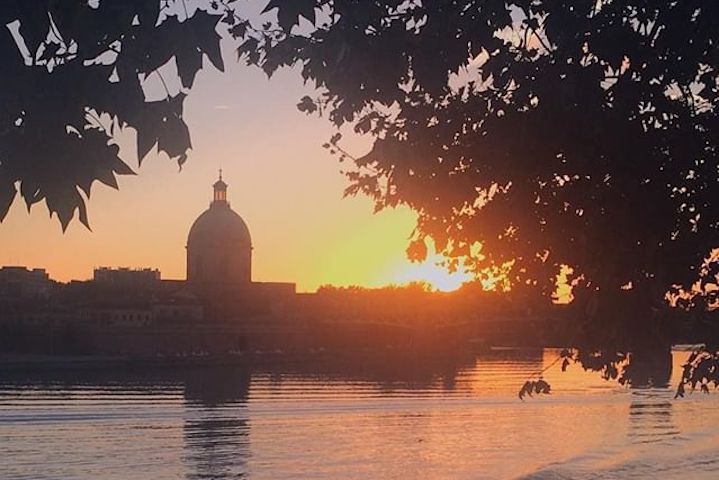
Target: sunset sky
{"x": 281, "y": 181}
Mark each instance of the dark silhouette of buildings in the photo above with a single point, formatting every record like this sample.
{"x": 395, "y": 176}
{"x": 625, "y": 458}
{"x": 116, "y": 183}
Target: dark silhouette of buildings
{"x": 219, "y": 310}
{"x": 126, "y": 276}
{"x": 19, "y": 283}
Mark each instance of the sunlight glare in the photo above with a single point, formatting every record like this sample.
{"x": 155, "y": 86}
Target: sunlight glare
{"x": 431, "y": 272}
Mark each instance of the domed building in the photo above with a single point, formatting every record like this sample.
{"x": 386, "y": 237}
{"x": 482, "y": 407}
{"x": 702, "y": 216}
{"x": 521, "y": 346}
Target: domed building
{"x": 219, "y": 246}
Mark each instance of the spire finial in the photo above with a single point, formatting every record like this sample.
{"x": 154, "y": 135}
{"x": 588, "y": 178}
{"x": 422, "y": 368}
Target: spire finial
{"x": 220, "y": 173}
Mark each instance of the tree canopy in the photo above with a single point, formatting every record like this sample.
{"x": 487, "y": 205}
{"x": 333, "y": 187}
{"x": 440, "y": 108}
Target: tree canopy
{"x": 75, "y": 73}
{"x": 577, "y": 133}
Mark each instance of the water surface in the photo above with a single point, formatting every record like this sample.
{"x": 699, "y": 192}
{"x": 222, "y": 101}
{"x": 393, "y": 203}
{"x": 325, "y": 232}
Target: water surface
{"x": 381, "y": 419}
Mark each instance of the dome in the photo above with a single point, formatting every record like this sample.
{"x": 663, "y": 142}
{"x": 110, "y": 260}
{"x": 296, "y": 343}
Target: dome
{"x": 219, "y": 223}
{"x": 219, "y": 246}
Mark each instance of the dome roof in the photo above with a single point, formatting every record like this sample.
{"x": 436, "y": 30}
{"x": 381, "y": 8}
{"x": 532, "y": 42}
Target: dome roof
{"x": 219, "y": 223}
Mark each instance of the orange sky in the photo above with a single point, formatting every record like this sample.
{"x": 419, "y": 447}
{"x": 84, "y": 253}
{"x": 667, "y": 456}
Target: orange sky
{"x": 281, "y": 181}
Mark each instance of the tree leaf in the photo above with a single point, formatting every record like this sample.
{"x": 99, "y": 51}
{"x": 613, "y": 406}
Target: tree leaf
{"x": 7, "y": 195}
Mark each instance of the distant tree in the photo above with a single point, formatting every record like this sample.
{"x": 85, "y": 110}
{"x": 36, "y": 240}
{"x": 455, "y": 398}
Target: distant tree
{"x": 75, "y": 72}
{"x": 578, "y": 133}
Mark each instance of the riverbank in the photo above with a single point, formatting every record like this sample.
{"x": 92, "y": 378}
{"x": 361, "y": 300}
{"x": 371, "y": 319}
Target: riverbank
{"x": 41, "y": 363}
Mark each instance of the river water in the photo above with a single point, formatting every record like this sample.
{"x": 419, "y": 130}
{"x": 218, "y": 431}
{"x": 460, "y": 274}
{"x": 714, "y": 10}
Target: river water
{"x": 404, "y": 419}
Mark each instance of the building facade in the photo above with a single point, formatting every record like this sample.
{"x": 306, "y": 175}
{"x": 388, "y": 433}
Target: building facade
{"x": 126, "y": 276}
{"x": 20, "y": 283}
